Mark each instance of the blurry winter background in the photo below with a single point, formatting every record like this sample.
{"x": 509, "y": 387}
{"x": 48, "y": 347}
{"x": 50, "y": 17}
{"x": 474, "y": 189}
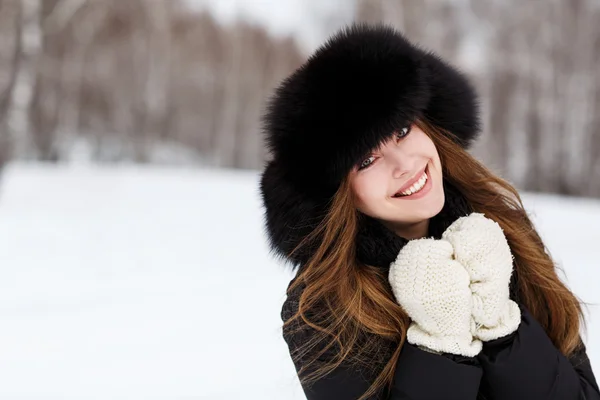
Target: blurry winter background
{"x": 133, "y": 261}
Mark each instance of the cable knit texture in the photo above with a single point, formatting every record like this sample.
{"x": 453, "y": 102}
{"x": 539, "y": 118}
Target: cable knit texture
{"x": 433, "y": 289}
{"x": 482, "y": 249}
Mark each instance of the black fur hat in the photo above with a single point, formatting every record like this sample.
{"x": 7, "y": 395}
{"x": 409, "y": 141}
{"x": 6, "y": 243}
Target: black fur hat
{"x": 347, "y": 98}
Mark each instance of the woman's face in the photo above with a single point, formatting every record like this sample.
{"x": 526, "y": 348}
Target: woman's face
{"x": 400, "y": 183}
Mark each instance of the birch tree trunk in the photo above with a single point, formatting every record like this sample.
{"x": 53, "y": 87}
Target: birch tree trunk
{"x": 9, "y": 55}
{"x": 225, "y": 140}
{"x": 72, "y": 74}
{"x": 30, "y": 39}
{"x": 155, "y": 89}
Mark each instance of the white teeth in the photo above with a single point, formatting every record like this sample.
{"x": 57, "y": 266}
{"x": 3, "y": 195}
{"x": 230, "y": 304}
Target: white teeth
{"x": 416, "y": 186}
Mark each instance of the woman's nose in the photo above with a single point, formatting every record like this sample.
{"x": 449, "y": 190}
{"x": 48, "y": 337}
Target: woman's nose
{"x": 398, "y": 171}
{"x": 399, "y": 161}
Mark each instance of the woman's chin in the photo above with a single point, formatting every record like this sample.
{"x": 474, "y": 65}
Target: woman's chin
{"x": 415, "y": 212}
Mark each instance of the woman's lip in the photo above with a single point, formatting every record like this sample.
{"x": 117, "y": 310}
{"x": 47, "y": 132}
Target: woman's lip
{"x": 421, "y": 193}
{"x": 412, "y": 181}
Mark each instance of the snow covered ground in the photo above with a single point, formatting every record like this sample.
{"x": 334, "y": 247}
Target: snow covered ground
{"x": 146, "y": 283}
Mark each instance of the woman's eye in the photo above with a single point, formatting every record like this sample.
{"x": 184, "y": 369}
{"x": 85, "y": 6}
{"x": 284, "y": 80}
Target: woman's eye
{"x": 403, "y": 132}
{"x": 366, "y": 163}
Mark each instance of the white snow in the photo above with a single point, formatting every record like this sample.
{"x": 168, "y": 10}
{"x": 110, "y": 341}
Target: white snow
{"x": 156, "y": 283}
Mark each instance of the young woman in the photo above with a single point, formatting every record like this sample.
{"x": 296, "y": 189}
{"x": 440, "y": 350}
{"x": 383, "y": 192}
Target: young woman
{"x": 418, "y": 272}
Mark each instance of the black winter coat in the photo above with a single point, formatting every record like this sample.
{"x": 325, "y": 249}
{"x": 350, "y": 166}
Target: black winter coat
{"x": 523, "y": 365}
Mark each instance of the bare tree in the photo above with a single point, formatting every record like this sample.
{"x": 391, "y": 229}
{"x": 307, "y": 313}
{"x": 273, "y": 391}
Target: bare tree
{"x": 19, "y": 102}
{"x": 133, "y": 78}
{"x": 9, "y": 57}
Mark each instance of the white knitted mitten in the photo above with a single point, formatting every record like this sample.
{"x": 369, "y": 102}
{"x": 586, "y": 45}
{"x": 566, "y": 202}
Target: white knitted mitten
{"x": 434, "y": 291}
{"x": 481, "y": 247}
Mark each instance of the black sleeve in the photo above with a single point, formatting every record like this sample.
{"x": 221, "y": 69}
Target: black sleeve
{"x": 527, "y": 365}
{"x": 419, "y": 375}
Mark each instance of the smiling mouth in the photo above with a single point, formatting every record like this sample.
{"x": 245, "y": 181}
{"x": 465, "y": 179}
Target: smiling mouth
{"x": 416, "y": 187}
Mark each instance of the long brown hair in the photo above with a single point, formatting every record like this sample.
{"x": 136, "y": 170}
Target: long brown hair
{"x": 344, "y": 301}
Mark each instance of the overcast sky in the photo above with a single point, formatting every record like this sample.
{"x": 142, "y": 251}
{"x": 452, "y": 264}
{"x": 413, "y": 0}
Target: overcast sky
{"x": 310, "y": 20}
